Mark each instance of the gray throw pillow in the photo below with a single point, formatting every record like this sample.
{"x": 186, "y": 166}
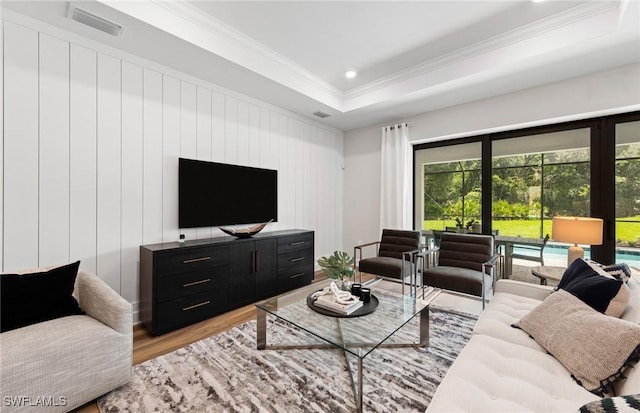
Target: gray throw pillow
{"x": 593, "y": 347}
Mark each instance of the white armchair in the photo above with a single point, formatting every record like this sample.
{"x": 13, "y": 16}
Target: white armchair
{"x": 64, "y": 363}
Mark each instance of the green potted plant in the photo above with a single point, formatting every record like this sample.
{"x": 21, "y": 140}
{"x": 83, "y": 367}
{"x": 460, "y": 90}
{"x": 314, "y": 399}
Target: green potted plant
{"x": 462, "y": 227}
{"x": 338, "y": 266}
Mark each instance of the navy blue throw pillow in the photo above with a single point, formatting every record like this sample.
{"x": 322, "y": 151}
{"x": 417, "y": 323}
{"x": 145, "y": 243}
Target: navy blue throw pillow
{"x": 27, "y": 299}
{"x": 594, "y": 289}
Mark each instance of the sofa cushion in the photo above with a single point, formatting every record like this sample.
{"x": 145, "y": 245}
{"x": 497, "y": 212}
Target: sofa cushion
{"x": 459, "y": 279}
{"x": 35, "y": 297}
{"x": 491, "y": 375}
{"x": 389, "y": 266}
{"x": 605, "y": 294}
{"x": 504, "y": 310}
{"x": 595, "y": 348}
{"x": 632, "y": 313}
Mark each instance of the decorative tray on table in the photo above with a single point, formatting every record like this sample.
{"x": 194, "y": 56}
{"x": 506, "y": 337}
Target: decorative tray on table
{"x": 333, "y": 302}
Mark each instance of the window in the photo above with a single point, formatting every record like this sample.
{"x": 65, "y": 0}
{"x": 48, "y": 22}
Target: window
{"x": 449, "y": 180}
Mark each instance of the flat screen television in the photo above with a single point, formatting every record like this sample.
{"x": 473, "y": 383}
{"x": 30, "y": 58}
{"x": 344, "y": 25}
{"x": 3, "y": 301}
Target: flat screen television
{"x": 215, "y": 194}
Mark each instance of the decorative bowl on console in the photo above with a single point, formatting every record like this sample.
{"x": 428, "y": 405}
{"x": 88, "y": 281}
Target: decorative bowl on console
{"x": 244, "y": 232}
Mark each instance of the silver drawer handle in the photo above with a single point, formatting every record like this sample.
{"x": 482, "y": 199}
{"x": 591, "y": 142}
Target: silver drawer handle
{"x": 296, "y": 259}
{"x": 294, "y": 244}
{"x": 196, "y": 260}
{"x": 191, "y": 307}
{"x": 297, "y": 275}
{"x": 196, "y": 282}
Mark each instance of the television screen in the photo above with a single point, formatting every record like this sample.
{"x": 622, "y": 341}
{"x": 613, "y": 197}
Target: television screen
{"x": 214, "y": 194}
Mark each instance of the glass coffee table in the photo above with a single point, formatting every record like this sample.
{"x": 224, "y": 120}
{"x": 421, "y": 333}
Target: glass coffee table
{"x": 357, "y": 336}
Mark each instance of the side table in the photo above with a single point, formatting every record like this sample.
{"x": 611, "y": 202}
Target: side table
{"x": 547, "y": 272}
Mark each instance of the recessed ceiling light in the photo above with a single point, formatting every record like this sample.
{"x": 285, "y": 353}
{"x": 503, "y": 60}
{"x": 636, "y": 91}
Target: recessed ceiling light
{"x": 350, "y": 74}
{"x": 537, "y": 1}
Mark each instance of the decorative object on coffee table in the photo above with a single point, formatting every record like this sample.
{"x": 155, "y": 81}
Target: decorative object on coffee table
{"x": 338, "y": 266}
{"x": 334, "y": 302}
{"x": 244, "y": 232}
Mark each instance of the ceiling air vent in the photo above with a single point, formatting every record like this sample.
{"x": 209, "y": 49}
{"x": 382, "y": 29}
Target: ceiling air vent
{"x": 94, "y": 21}
{"x": 321, "y": 114}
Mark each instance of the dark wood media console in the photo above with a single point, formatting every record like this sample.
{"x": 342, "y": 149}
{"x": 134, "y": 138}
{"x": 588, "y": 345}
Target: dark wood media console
{"x": 181, "y": 284}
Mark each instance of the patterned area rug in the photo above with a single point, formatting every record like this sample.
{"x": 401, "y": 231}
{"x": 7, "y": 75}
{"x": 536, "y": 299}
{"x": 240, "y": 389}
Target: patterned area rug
{"x": 225, "y": 373}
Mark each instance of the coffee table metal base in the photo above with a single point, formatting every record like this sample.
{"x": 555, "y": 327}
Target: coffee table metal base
{"x": 261, "y": 341}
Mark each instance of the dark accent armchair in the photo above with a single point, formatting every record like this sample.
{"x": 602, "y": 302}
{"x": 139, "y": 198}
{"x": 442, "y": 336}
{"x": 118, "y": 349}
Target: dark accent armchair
{"x": 462, "y": 264}
{"x": 395, "y": 255}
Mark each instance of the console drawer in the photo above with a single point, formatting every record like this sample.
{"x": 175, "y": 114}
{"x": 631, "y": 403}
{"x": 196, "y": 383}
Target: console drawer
{"x": 289, "y": 281}
{"x": 294, "y": 260}
{"x": 295, "y": 243}
{"x": 188, "y": 310}
{"x": 180, "y": 261}
{"x": 182, "y": 285}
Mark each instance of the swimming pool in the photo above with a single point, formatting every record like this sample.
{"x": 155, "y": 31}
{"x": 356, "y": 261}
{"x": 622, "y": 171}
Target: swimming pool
{"x": 556, "y": 254}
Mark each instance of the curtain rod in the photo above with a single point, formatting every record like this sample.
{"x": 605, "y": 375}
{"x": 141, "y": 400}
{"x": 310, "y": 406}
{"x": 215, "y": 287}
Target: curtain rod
{"x": 394, "y": 126}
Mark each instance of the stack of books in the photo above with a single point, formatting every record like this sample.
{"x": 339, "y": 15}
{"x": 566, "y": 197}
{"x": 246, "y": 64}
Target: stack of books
{"x": 328, "y": 302}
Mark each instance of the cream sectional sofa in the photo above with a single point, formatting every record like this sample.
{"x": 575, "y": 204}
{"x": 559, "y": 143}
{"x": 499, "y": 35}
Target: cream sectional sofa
{"x": 60, "y": 364}
{"x": 502, "y": 369}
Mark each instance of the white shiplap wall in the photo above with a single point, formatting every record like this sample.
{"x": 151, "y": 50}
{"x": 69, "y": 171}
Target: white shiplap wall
{"x": 90, "y": 155}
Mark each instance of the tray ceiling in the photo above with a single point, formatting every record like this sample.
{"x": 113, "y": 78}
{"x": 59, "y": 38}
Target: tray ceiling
{"x": 410, "y": 56}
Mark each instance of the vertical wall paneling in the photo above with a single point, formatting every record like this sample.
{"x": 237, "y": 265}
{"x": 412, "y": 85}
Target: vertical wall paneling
{"x": 231, "y": 130}
{"x": 277, "y": 136}
{"x": 337, "y": 163}
{"x": 20, "y": 175}
{"x": 312, "y": 182}
{"x": 264, "y": 139}
{"x": 132, "y": 185}
{"x": 287, "y": 205}
{"x": 188, "y": 130}
{"x": 254, "y": 135}
{"x": 203, "y": 137}
{"x": 218, "y": 116}
{"x": 272, "y": 155}
{"x": 287, "y": 164}
{"x": 152, "y": 157}
{"x": 90, "y": 149}
{"x": 204, "y": 124}
{"x": 243, "y": 133}
{"x": 327, "y": 186}
{"x": 54, "y": 151}
{"x": 109, "y": 150}
{"x": 82, "y": 157}
{"x": 299, "y": 142}
{"x": 170, "y": 154}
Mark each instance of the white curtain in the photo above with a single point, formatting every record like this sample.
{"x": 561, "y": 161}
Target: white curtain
{"x": 395, "y": 194}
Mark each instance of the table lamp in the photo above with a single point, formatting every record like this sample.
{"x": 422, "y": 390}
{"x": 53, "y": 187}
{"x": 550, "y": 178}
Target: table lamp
{"x": 577, "y": 230}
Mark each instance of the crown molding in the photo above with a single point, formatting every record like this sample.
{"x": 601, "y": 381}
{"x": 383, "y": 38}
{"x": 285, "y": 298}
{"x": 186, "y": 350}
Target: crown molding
{"x": 189, "y": 23}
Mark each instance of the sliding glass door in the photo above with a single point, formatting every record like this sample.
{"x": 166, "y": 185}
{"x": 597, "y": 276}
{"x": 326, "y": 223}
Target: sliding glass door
{"x": 537, "y": 177}
{"x": 584, "y": 168}
{"x": 627, "y": 184}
